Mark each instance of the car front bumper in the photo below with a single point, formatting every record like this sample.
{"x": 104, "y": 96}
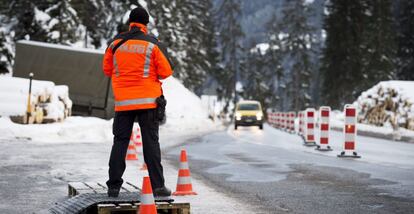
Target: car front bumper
{"x": 248, "y": 121}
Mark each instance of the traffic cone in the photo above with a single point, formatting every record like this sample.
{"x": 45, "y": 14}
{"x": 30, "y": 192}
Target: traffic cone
{"x": 184, "y": 186}
{"x": 131, "y": 152}
{"x": 144, "y": 167}
{"x": 147, "y": 205}
{"x": 138, "y": 139}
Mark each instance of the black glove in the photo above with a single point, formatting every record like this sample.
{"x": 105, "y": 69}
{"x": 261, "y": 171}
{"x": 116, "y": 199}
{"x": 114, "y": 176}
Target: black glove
{"x": 161, "y": 103}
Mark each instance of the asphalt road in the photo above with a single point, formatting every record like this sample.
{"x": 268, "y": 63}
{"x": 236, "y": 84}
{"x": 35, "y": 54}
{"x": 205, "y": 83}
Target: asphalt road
{"x": 272, "y": 171}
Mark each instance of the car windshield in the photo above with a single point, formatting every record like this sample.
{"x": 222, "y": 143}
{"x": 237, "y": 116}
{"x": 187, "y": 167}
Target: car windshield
{"x": 248, "y": 107}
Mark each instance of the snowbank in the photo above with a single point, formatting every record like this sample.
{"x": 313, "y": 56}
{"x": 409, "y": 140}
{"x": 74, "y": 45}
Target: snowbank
{"x": 71, "y": 130}
{"x": 185, "y": 116}
{"x": 185, "y": 111}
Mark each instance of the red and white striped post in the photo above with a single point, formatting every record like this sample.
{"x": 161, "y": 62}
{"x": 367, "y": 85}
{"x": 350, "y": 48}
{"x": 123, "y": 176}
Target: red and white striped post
{"x": 292, "y": 121}
{"x": 282, "y": 120}
{"x": 350, "y": 132}
{"x": 300, "y": 128}
{"x": 287, "y": 121}
{"x": 269, "y": 118}
{"x": 324, "y": 112}
{"x": 304, "y": 124}
{"x": 310, "y": 127}
{"x": 277, "y": 119}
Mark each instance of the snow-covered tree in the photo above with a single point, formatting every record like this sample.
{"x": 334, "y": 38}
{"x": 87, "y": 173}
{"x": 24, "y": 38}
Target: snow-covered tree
{"x": 259, "y": 76}
{"x": 360, "y": 48}
{"x": 298, "y": 44}
{"x": 64, "y": 24}
{"x": 185, "y": 27}
{"x": 379, "y": 42}
{"x": 230, "y": 35}
{"x": 405, "y": 39}
{"x": 274, "y": 60}
{"x": 342, "y": 60}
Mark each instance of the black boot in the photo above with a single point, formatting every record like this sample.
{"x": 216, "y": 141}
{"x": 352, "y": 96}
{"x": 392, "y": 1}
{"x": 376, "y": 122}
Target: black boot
{"x": 162, "y": 192}
{"x": 113, "y": 192}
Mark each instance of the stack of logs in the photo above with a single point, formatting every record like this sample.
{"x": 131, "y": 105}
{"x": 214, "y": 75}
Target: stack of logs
{"x": 386, "y": 107}
{"x": 47, "y": 106}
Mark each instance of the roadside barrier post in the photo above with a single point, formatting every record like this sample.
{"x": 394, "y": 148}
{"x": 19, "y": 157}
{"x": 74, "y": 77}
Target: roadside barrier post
{"x": 309, "y": 128}
{"x": 277, "y": 119}
{"x": 300, "y": 115}
{"x": 350, "y": 132}
{"x": 292, "y": 121}
{"x": 324, "y": 113}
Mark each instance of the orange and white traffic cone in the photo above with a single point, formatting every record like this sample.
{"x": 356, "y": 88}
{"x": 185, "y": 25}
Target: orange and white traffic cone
{"x": 147, "y": 205}
{"x": 184, "y": 186}
{"x": 131, "y": 152}
{"x": 144, "y": 166}
{"x": 138, "y": 139}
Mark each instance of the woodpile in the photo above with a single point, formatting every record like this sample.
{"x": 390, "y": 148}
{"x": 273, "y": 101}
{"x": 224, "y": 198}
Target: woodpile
{"x": 48, "y": 102}
{"x": 386, "y": 105}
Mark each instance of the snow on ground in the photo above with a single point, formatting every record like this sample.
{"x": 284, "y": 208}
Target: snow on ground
{"x": 337, "y": 122}
{"x": 373, "y": 150}
{"x": 73, "y": 129}
{"x": 186, "y": 117}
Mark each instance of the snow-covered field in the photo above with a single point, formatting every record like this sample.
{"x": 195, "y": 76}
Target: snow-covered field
{"x": 186, "y": 118}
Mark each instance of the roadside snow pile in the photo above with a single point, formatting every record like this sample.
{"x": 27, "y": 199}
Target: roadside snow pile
{"x": 49, "y": 103}
{"x": 185, "y": 116}
{"x": 185, "y": 111}
{"x": 71, "y": 130}
{"x": 388, "y": 104}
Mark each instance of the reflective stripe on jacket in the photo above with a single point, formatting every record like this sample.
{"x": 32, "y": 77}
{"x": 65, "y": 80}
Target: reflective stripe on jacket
{"x": 135, "y": 69}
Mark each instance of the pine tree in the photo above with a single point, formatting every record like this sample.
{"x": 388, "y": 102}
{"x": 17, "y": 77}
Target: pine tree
{"x": 230, "y": 35}
{"x": 18, "y": 21}
{"x": 6, "y": 55}
{"x": 405, "y": 39}
{"x": 185, "y": 26}
{"x": 298, "y": 42}
{"x": 274, "y": 56}
{"x": 259, "y": 78}
{"x": 22, "y": 14}
{"x": 91, "y": 14}
{"x": 169, "y": 28}
{"x": 342, "y": 60}
{"x": 64, "y": 23}
{"x": 196, "y": 64}
{"x": 380, "y": 55}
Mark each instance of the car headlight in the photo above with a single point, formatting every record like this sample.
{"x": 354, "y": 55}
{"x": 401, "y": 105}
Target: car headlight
{"x": 259, "y": 115}
{"x": 238, "y": 116}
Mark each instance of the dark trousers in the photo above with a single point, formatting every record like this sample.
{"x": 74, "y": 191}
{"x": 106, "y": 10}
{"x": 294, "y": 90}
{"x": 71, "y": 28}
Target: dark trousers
{"x": 122, "y": 128}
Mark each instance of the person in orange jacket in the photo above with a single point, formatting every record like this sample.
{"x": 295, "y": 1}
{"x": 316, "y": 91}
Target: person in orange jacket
{"x": 136, "y": 61}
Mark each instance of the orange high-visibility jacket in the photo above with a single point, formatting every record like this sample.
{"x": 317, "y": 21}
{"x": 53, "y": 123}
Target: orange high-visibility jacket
{"x": 136, "y": 68}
